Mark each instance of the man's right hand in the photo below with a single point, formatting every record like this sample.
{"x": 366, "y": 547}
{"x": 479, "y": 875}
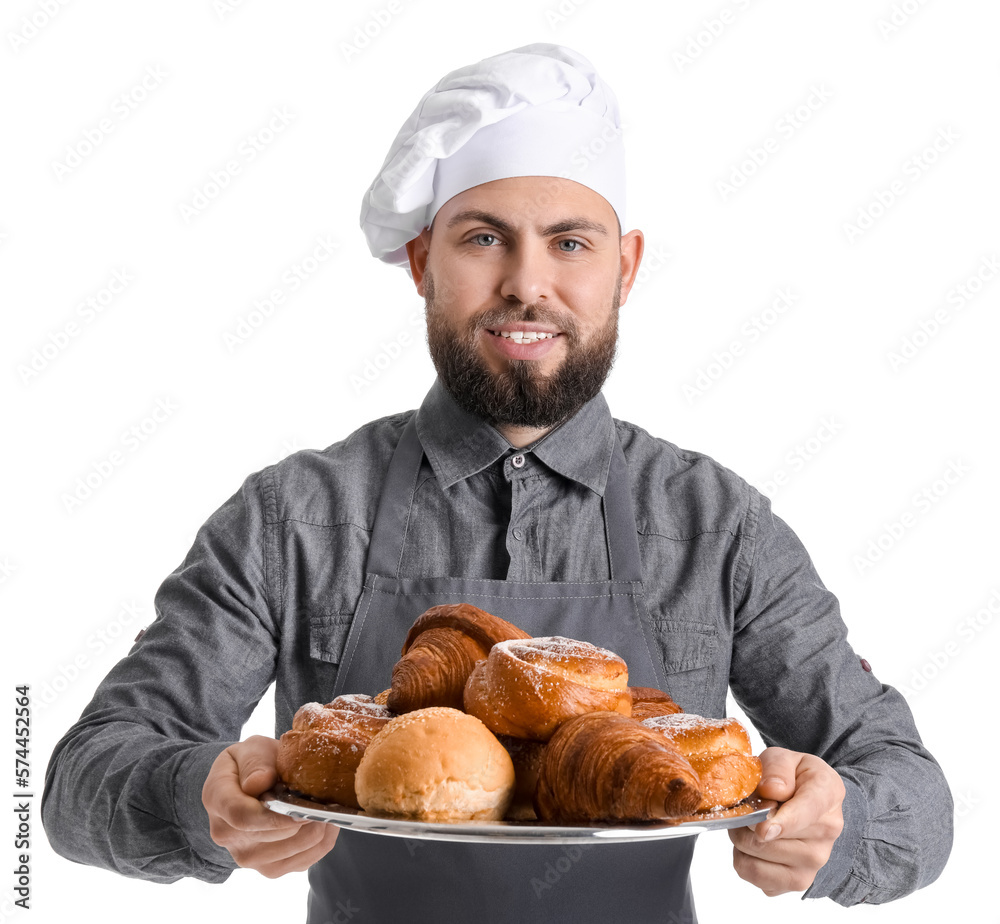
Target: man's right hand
{"x": 256, "y": 837}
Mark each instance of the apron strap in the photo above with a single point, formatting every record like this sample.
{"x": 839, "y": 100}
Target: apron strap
{"x": 619, "y": 520}
{"x": 385, "y": 549}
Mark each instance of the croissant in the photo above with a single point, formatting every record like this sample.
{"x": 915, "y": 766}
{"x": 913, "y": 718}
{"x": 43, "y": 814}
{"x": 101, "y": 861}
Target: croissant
{"x": 718, "y": 750}
{"x": 647, "y": 702}
{"x": 602, "y": 766}
{"x": 528, "y": 688}
{"x": 319, "y": 755}
{"x": 441, "y": 648}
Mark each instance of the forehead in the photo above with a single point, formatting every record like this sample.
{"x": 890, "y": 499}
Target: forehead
{"x": 530, "y": 201}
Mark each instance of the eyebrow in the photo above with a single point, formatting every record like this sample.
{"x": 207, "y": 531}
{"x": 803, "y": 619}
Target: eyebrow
{"x": 559, "y": 227}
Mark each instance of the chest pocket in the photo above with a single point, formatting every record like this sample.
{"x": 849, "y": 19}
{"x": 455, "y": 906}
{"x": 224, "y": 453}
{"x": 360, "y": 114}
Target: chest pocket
{"x": 328, "y": 635}
{"x": 690, "y": 651}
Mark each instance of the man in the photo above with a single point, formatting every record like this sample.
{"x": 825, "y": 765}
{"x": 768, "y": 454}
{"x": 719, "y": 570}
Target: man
{"x": 511, "y": 487}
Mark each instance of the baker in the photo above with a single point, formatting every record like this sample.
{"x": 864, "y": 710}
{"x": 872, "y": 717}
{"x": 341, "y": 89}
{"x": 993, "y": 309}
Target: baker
{"x": 512, "y": 488}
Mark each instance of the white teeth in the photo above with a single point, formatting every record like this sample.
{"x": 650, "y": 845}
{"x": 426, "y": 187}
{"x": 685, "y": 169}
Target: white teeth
{"x": 523, "y": 336}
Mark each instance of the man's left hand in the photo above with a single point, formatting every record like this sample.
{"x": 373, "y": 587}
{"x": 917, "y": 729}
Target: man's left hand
{"x": 784, "y": 852}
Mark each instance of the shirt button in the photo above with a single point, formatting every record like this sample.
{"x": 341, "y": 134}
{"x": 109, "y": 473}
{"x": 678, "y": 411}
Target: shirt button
{"x": 518, "y": 535}
{"x": 866, "y": 666}
{"x": 518, "y": 460}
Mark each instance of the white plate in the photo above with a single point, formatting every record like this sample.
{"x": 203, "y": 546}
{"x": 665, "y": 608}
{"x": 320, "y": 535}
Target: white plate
{"x": 517, "y": 832}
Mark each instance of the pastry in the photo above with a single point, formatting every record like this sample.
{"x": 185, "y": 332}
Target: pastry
{"x": 318, "y": 757}
{"x": 719, "y": 750}
{"x": 528, "y": 688}
{"x": 436, "y": 764}
{"x": 603, "y": 766}
{"x": 441, "y": 648}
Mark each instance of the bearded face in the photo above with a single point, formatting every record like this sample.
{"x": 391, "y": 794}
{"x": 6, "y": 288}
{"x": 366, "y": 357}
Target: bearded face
{"x": 519, "y": 395}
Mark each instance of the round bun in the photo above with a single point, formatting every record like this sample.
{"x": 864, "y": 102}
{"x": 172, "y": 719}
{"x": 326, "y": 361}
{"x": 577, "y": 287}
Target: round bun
{"x": 528, "y": 688}
{"x": 720, "y": 752}
{"x": 436, "y": 764}
{"x": 318, "y": 757}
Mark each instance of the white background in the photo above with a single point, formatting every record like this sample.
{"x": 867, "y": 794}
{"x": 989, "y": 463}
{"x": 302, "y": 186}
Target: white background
{"x": 702, "y": 85}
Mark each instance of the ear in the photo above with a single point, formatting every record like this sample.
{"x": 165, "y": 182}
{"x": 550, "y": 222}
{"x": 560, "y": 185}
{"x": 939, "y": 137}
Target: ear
{"x": 632, "y": 247}
{"x": 417, "y": 251}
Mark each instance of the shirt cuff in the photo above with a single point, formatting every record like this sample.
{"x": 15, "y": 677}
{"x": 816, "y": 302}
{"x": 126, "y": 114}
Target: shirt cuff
{"x": 190, "y": 810}
{"x": 838, "y": 868}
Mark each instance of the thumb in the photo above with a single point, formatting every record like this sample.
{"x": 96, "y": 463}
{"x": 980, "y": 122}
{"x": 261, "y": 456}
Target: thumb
{"x": 777, "y": 779}
{"x": 256, "y": 764}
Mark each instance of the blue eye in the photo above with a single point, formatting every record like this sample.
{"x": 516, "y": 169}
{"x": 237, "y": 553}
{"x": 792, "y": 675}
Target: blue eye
{"x": 485, "y": 239}
{"x": 576, "y": 246}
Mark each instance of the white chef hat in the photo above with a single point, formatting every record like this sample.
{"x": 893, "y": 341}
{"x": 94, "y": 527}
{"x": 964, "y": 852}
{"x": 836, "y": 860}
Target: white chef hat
{"x": 539, "y": 110}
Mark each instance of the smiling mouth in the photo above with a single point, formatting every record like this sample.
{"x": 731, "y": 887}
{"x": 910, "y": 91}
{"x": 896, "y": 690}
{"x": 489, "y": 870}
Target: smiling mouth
{"x": 524, "y": 336}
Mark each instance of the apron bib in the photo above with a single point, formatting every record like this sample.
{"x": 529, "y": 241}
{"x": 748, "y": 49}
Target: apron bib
{"x": 369, "y": 877}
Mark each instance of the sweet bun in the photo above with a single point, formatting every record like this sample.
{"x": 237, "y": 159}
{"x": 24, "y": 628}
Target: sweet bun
{"x": 436, "y": 764}
{"x": 528, "y": 688}
{"x": 319, "y": 755}
{"x": 719, "y": 750}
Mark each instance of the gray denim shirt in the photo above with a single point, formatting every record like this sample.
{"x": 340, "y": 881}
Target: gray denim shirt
{"x": 269, "y": 588}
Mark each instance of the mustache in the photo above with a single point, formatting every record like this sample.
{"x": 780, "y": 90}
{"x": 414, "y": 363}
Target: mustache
{"x": 511, "y": 314}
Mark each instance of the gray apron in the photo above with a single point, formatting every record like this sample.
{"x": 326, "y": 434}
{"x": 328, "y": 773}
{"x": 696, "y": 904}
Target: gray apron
{"x": 375, "y": 878}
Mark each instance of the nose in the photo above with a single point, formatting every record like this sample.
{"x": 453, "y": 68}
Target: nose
{"x": 527, "y": 273}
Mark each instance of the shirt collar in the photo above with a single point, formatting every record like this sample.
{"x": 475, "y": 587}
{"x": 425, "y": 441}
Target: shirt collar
{"x": 459, "y": 444}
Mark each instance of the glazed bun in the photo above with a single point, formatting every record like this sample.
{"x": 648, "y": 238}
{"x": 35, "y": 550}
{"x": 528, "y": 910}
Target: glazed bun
{"x": 319, "y": 755}
{"x": 436, "y": 764}
{"x": 719, "y": 750}
{"x": 528, "y": 688}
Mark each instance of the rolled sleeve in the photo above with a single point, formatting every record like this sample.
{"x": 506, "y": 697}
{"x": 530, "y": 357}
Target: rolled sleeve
{"x": 803, "y": 687}
{"x": 123, "y": 786}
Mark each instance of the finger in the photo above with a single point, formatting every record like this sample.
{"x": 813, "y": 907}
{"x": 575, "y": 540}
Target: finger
{"x": 812, "y": 811}
{"x": 244, "y": 813}
{"x": 777, "y": 778}
{"x": 256, "y": 760}
{"x": 275, "y": 858}
{"x": 771, "y": 878}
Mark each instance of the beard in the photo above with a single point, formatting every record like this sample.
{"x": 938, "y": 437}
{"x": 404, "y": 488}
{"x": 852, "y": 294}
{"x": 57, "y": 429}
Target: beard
{"x": 520, "y": 396}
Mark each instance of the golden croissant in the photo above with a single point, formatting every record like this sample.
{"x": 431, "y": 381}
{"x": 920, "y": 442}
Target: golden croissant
{"x": 603, "y": 766}
{"x": 439, "y": 653}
